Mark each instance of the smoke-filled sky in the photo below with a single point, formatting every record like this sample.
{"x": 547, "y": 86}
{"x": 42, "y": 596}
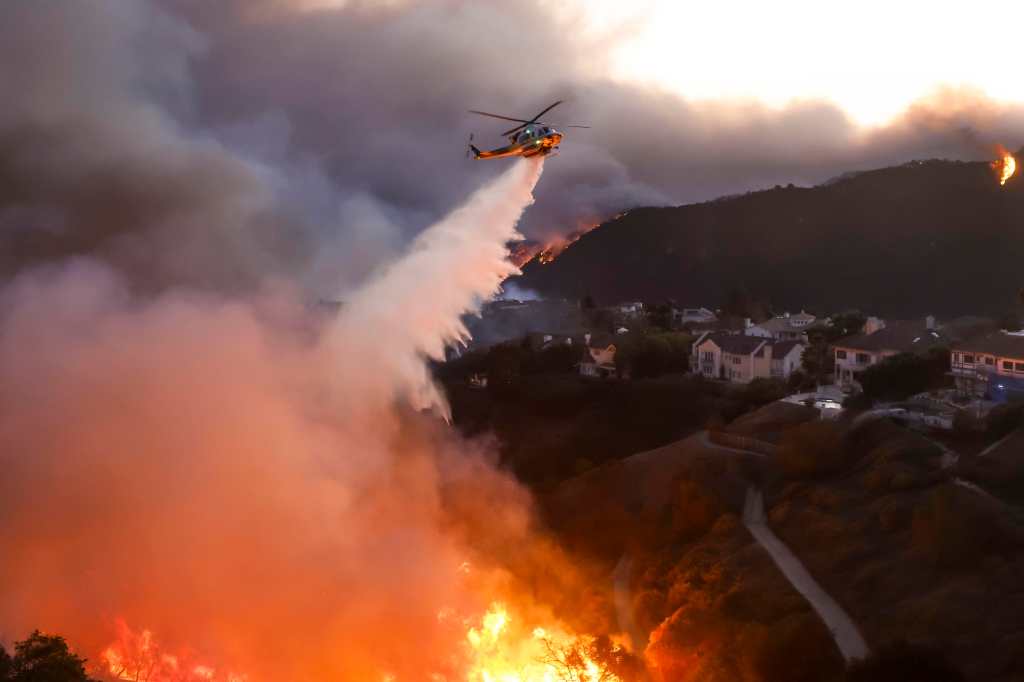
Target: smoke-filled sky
{"x": 219, "y": 144}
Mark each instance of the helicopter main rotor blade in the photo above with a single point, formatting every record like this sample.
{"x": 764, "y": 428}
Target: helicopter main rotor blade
{"x": 534, "y": 119}
{"x": 504, "y": 118}
{"x": 575, "y": 126}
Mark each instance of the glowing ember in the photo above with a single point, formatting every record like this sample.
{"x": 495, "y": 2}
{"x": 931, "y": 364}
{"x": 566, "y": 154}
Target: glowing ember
{"x": 137, "y": 657}
{"x": 1006, "y": 166}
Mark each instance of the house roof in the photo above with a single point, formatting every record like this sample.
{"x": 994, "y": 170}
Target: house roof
{"x": 901, "y": 336}
{"x": 736, "y": 344}
{"x": 785, "y": 324}
{"x": 601, "y": 340}
{"x": 781, "y": 349}
{"x": 1004, "y": 345}
{"x": 968, "y": 327}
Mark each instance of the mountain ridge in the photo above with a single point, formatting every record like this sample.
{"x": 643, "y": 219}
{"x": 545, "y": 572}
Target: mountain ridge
{"x": 931, "y": 236}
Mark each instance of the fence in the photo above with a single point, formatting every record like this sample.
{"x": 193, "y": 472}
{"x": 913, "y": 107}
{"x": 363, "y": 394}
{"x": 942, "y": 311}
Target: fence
{"x": 735, "y": 440}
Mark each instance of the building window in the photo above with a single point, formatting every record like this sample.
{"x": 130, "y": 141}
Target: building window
{"x": 968, "y": 359}
{"x": 989, "y": 360}
{"x": 736, "y": 360}
{"x": 863, "y": 358}
{"x": 1020, "y": 367}
{"x": 840, "y": 355}
{"x": 1007, "y": 365}
{"x": 708, "y": 356}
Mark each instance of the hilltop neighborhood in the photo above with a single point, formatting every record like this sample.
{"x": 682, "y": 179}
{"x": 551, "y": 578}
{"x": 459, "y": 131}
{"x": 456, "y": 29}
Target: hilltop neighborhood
{"x": 849, "y": 358}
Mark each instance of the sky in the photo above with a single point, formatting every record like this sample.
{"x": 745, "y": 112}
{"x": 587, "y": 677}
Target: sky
{"x": 873, "y": 58}
{"x": 222, "y": 146}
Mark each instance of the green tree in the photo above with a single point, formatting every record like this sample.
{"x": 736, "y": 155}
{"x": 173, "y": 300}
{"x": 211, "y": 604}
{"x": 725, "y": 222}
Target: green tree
{"x": 45, "y": 658}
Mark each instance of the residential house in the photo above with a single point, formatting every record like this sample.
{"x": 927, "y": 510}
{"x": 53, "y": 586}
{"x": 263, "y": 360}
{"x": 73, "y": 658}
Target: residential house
{"x": 741, "y": 359}
{"x": 784, "y": 327}
{"x": 854, "y": 354}
{"x": 990, "y": 366}
{"x": 693, "y": 316}
{"x": 599, "y": 357}
{"x": 545, "y": 340}
{"x": 630, "y": 309}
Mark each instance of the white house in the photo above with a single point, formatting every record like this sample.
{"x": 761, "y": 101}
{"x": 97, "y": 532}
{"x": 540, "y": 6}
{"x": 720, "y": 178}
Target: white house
{"x": 631, "y": 309}
{"x": 741, "y": 359}
{"x": 856, "y": 353}
{"x": 783, "y": 328}
{"x": 693, "y": 316}
{"x": 991, "y": 366}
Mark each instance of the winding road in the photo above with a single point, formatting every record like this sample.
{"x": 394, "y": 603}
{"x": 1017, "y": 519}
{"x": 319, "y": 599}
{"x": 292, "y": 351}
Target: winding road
{"x": 848, "y": 638}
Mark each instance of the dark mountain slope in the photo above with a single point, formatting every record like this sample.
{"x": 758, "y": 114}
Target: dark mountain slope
{"x": 932, "y": 236}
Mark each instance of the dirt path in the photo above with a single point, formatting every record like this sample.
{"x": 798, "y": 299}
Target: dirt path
{"x": 848, "y": 638}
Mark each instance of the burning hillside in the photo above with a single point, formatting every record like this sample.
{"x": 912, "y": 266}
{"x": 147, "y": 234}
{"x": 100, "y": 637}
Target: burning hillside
{"x": 268, "y": 505}
{"x": 546, "y": 252}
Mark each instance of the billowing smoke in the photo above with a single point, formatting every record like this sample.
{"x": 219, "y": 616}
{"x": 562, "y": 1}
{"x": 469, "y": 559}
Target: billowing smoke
{"x": 240, "y": 476}
{"x": 219, "y": 144}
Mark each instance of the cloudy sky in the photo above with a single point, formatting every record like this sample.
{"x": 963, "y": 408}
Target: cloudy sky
{"x": 217, "y": 145}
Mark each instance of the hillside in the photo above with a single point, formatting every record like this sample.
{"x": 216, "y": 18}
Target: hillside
{"x": 935, "y": 236}
{"x": 908, "y": 552}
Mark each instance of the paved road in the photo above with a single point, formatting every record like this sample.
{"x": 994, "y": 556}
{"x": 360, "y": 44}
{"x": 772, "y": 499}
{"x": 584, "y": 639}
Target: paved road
{"x": 848, "y": 638}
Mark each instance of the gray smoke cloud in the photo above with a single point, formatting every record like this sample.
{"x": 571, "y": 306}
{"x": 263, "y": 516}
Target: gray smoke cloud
{"x": 222, "y": 145}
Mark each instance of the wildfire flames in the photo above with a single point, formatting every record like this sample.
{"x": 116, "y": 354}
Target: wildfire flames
{"x": 545, "y": 253}
{"x": 498, "y": 648}
{"x": 1005, "y": 166}
{"x": 136, "y": 656}
{"x": 503, "y": 650}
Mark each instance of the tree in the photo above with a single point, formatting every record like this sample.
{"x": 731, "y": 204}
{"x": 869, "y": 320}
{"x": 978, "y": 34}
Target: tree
{"x": 504, "y": 369}
{"x": 845, "y": 325}
{"x": 818, "y": 361}
{"x": 44, "y": 658}
{"x": 811, "y": 449}
{"x": 660, "y": 315}
{"x": 905, "y": 374}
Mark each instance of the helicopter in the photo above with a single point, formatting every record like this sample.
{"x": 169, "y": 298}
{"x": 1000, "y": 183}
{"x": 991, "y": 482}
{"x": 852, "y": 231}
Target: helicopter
{"x": 529, "y": 138}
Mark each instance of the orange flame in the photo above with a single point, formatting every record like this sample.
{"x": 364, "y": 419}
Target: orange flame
{"x": 499, "y": 647}
{"x": 137, "y": 657}
{"x": 504, "y": 650}
{"x": 1005, "y": 166}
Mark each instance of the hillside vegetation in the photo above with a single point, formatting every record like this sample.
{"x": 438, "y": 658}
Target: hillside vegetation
{"x": 935, "y": 236}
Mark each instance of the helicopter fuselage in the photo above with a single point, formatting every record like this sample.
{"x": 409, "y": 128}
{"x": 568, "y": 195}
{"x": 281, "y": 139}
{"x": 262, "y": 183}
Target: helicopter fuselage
{"x": 537, "y": 140}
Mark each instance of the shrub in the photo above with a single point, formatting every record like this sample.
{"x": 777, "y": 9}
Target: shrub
{"x": 953, "y": 533}
{"x": 696, "y": 510}
{"x": 795, "y": 650}
{"x": 903, "y": 375}
{"x": 903, "y": 662}
{"x": 1003, "y": 420}
{"x": 811, "y": 449}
